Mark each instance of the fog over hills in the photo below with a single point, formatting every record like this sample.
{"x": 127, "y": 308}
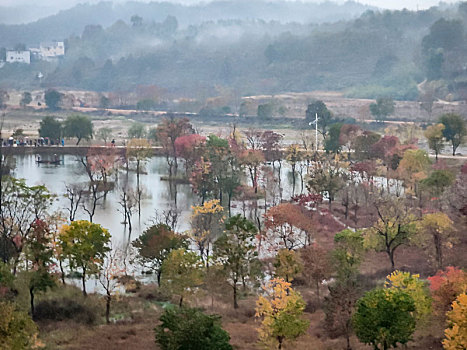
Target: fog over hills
{"x": 253, "y": 47}
{"x": 24, "y": 12}
{"x": 72, "y": 21}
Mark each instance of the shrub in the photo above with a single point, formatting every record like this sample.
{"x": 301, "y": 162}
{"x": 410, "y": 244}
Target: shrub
{"x": 17, "y": 330}
{"x": 185, "y": 328}
{"x": 66, "y": 308}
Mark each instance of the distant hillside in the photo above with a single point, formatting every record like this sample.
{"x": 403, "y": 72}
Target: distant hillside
{"x": 388, "y": 53}
{"x": 24, "y": 14}
{"x": 73, "y": 21}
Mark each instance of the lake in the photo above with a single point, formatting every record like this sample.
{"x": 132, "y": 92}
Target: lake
{"x": 156, "y": 195}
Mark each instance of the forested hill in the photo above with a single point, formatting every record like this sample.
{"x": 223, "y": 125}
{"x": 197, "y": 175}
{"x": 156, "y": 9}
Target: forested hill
{"x": 398, "y": 54}
{"x": 73, "y": 21}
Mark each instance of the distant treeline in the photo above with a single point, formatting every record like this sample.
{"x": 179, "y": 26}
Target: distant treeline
{"x": 378, "y": 54}
{"x": 105, "y": 13}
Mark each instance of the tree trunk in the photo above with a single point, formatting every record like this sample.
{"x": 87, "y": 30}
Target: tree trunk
{"x": 62, "y": 271}
{"x": 317, "y": 289}
{"x": 83, "y": 279}
{"x": 439, "y": 251}
{"x": 15, "y": 265}
{"x": 391, "y": 257}
{"x": 279, "y": 340}
{"x": 293, "y": 180}
{"x": 108, "y": 299}
{"x": 346, "y": 206}
{"x": 159, "y": 273}
{"x": 31, "y": 294}
{"x": 235, "y": 295}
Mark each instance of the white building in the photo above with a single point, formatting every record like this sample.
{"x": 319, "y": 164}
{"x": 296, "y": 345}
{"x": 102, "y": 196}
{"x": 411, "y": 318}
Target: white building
{"x": 51, "y": 50}
{"x": 18, "y": 57}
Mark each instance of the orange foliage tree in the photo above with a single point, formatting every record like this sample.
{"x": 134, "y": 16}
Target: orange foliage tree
{"x": 287, "y": 226}
{"x": 252, "y": 160}
{"x": 445, "y": 286}
{"x": 456, "y": 334}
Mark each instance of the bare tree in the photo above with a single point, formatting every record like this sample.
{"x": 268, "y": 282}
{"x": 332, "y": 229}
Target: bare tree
{"x": 168, "y": 217}
{"x": 128, "y": 203}
{"x": 254, "y": 138}
{"x": 109, "y": 277}
{"x": 74, "y": 194}
{"x": 93, "y": 188}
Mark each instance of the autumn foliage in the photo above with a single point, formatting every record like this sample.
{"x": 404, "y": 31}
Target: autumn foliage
{"x": 288, "y": 226}
{"x": 445, "y": 286}
{"x": 456, "y": 334}
{"x": 281, "y": 309}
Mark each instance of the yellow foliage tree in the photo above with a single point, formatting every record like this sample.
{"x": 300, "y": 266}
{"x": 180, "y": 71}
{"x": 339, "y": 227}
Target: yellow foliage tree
{"x": 206, "y": 226}
{"x": 413, "y": 286}
{"x": 138, "y": 150}
{"x": 456, "y": 334}
{"x": 281, "y": 309}
{"x": 288, "y": 264}
{"x": 413, "y": 167}
{"x": 435, "y": 231}
{"x": 435, "y": 138}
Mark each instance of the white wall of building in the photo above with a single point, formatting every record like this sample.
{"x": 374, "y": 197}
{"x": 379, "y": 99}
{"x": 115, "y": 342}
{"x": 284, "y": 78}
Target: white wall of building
{"x": 50, "y": 50}
{"x": 18, "y": 57}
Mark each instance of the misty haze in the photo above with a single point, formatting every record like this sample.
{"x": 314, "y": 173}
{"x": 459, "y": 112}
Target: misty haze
{"x": 233, "y": 174}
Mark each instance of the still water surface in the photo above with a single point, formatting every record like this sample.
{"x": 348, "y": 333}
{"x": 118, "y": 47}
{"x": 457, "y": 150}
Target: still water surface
{"x": 156, "y": 193}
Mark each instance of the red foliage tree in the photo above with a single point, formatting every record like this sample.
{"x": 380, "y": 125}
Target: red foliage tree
{"x": 385, "y": 147}
{"x": 288, "y": 226}
{"x": 445, "y": 286}
{"x": 102, "y": 161}
{"x": 309, "y": 201}
{"x": 167, "y": 132}
{"x": 190, "y": 148}
{"x": 271, "y": 144}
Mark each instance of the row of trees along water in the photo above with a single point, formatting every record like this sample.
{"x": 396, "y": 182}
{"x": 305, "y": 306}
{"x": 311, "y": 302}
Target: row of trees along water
{"x": 385, "y": 196}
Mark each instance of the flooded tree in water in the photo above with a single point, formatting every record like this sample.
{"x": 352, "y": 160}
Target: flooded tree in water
{"x": 74, "y": 194}
{"x": 128, "y": 200}
{"x": 206, "y": 227}
{"x": 167, "y": 132}
{"x": 139, "y": 151}
{"x": 190, "y": 148}
{"x": 99, "y": 163}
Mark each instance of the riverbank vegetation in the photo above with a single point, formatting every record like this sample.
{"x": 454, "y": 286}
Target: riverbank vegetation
{"x": 364, "y": 247}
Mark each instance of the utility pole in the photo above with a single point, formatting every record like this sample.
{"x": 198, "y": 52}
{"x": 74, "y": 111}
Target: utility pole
{"x": 316, "y": 130}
